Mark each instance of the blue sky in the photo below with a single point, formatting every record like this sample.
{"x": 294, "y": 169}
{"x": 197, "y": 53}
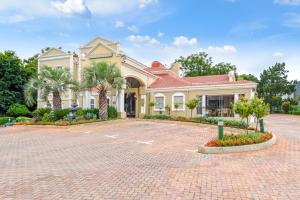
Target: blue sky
{"x": 252, "y": 34}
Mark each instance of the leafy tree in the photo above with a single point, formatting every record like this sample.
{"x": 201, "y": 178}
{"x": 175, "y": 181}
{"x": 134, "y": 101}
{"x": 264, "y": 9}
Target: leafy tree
{"x": 274, "y": 84}
{"x": 50, "y": 80}
{"x": 31, "y": 65}
{"x": 102, "y": 76}
{"x": 176, "y": 106}
{"x": 259, "y": 109}
{"x": 243, "y": 108}
{"x": 192, "y": 104}
{"x": 222, "y": 68}
{"x": 200, "y": 65}
{"x": 12, "y": 79}
{"x": 248, "y": 77}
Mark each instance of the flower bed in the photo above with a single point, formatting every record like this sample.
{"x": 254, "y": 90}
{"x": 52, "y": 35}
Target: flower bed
{"x": 240, "y": 139}
{"x": 61, "y": 123}
{"x": 205, "y": 120}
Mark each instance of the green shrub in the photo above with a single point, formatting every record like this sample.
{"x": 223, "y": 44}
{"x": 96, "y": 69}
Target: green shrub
{"x": 80, "y": 112}
{"x": 295, "y": 108}
{"x": 112, "y": 112}
{"x": 48, "y": 117}
{"x": 294, "y": 112}
{"x": 227, "y": 122}
{"x": 17, "y": 109}
{"x": 286, "y": 106}
{"x": 23, "y": 119}
{"x": 5, "y": 120}
{"x": 157, "y": 117}
{"x": 38, "y": 114}
{"x": 60, "y": 114}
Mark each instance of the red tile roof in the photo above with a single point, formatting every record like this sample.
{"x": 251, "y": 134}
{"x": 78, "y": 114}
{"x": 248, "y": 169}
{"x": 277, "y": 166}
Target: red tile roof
{"x": 169, "y": 80}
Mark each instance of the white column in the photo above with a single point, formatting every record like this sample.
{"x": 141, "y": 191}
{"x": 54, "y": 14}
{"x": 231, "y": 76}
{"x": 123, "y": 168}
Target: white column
{"x": 203, "y": 105}
{"x": 143, "y": 107}
{"x": 120, "y": 102}
{"x": 236, "y": 98}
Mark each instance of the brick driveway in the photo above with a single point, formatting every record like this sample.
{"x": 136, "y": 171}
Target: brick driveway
{"x": 132, "y": 159}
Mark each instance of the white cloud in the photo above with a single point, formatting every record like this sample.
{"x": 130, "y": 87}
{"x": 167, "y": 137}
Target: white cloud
{"x": 29, "y": 9}
{"x": 14, "y": 19}
{"x": 293, "y": 20}
{"x": 184, "y": 41}
{"x": 72, "y": 7}
{"x": 144, "y": 3}
{"x": 222, "y": 50}
{"x": 160, "y": 34}
{"x": 288, "y": 2}
{"x": 133, "y": 29}
{"x": 119, "y": 24}
{"x": 278, "y": 54}
{"x": 142, "y": 40}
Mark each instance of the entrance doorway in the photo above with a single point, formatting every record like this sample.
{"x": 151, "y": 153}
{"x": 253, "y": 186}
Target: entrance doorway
{"x": 130, "y": 105}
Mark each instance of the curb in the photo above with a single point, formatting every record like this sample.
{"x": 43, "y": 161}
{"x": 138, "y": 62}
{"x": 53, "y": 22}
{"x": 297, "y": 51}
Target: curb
{"x": 236, "y": 149}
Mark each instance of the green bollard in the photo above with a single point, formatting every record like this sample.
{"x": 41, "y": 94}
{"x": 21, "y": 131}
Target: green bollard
{"x": 261, "y": 126}
{"x": 220, "y": 129}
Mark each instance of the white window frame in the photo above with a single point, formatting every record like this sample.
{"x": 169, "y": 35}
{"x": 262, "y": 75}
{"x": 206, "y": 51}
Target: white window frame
{"x": 159, "y": 95}
{"x": 93, "y": 98}
{"x": 178, "y": 94}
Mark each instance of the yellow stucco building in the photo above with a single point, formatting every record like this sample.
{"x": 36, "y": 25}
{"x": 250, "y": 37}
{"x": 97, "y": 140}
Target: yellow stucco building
{"x": 154, "y": 83}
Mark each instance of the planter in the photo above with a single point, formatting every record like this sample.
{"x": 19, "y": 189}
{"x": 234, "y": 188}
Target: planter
{"x": 237, "y": 149}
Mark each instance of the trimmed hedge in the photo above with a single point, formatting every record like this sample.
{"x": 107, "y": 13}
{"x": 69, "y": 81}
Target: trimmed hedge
{"x": 5, "y": 120}
{"x": 208, "y": 120}
{"x": 240, "y": 139}
{"x": 61, "y": 123}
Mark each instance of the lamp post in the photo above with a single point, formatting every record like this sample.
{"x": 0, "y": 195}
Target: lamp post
{"x": 220, "y": 129}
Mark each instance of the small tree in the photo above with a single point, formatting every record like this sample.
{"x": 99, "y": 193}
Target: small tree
{"x": 176, "y": 106}
{"x": 244, "y": 109}
{"x": 286, "y": 105}
{"x": 192, "y": 104}
{"x": 151, "y": 104}
{"x": 259, "y": 109}
{"x": 168, "y": 109}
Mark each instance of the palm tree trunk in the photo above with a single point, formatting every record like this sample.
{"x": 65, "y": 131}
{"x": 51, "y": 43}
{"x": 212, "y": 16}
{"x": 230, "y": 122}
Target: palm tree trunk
{"x": 56, "y": 100}
{"x": 102, "y": 105}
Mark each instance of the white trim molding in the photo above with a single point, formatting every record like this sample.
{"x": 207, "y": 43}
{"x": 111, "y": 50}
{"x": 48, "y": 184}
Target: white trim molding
{"x": 159, "y": 95}
{"x": 178, "y": 94}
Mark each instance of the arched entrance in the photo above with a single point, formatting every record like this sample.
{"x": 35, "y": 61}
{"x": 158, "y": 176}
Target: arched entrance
{"x": 133, "y": 102}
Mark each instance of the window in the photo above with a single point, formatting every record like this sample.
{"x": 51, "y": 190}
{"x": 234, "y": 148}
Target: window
{"x": 178, "y": 99}
{"x": 159, "y": 102}
{"x": 92, "y": 102}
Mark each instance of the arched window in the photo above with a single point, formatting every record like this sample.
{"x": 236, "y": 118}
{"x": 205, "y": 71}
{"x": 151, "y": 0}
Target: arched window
{"x": 178, "y": 99}
{"x": 160, "y": 101}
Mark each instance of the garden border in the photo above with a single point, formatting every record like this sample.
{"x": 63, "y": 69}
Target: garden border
{"x": 236, "y": 149}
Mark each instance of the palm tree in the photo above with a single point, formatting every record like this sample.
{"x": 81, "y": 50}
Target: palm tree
{"x": 50, "y": 80}
{"x": 102, "y": 76}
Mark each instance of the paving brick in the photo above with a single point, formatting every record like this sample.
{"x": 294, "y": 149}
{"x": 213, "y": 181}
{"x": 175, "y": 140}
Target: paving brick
{"x": 82, "y": 163}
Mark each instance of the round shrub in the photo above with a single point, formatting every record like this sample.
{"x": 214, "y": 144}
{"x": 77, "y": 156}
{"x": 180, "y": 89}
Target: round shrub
{"x": 17, "y": 109}
{"x": 112, "y": 112}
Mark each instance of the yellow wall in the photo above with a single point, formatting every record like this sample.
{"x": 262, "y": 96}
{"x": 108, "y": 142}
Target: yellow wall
{"x": 192, "y": 95}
